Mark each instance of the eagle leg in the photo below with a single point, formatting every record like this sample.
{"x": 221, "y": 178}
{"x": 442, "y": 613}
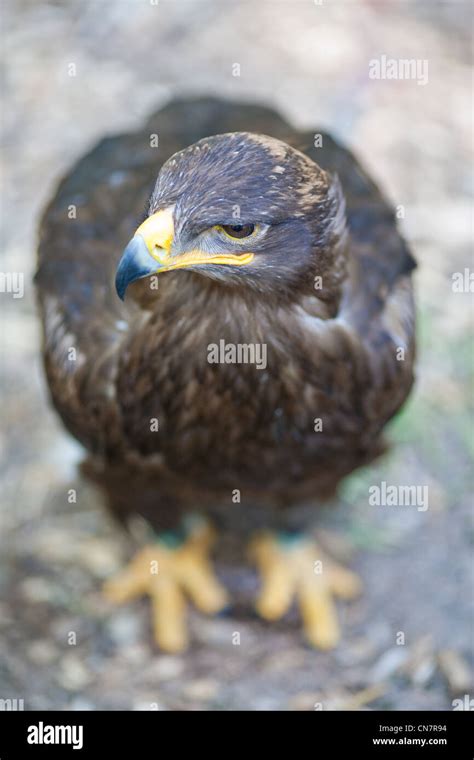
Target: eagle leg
{"x": 169, "y": 570}
{"x": 293, "y": 567}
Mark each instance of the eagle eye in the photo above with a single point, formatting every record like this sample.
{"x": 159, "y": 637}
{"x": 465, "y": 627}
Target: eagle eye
{"x": 237, "y": 231}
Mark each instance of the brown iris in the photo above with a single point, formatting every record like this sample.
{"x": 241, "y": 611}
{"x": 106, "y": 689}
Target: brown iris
{"x": 238, "y": 231}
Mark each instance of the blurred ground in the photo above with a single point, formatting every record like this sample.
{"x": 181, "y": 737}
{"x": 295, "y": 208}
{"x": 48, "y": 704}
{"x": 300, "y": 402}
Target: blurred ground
{"x": 310, "y": 61}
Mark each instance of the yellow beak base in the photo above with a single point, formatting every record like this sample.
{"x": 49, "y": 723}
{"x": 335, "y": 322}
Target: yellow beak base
{"x": 158, "y": 233}
{"x": 149, "y": 252}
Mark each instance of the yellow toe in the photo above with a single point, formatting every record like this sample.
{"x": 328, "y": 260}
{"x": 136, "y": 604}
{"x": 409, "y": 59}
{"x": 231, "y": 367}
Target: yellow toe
{"x": 169, "y": 616}
{"x": 344, "y": 583}
{"x": 198, "y": 580}
{"x": 318, "y": 612}
{"x": 277, "y": 592}
{"x": 131, "y": 582}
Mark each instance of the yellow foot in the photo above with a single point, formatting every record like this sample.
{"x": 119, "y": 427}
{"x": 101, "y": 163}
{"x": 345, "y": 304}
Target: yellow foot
{"x": 296, "y": 568}
{"x": 167, "y": 574}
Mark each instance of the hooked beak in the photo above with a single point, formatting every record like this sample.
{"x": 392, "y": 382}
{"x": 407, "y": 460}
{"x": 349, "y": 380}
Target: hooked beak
{"x": 149, "y": 252}
{"x": 135, "y": 263}
{"x": 150, "y": 244}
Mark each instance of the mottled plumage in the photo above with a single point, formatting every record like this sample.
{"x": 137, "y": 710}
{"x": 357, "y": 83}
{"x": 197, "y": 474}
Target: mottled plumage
{"x": 333, "y": 344}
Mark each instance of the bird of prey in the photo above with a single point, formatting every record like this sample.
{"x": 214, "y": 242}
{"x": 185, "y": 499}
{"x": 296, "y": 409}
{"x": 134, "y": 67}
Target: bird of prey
{"x": 228, "y": 325}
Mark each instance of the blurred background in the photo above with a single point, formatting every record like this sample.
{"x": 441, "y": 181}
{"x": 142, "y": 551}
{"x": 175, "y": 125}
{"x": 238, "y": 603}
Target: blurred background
{"x": 311, "y": 62}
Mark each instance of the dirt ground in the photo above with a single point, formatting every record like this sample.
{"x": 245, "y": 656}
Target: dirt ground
{"x": 408, "y": 640}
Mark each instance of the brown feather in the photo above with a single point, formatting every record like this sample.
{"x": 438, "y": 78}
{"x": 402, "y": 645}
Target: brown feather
{"x": 331, "y": 355}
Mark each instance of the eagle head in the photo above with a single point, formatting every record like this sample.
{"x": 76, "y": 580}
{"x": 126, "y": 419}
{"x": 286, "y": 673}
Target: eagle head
{"x": 246, "y": 210}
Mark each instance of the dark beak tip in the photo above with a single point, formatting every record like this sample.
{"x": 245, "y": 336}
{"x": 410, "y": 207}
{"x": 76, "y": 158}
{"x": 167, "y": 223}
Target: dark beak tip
{"x": 136, "y": 262}
{"x": 121, "y": 285}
